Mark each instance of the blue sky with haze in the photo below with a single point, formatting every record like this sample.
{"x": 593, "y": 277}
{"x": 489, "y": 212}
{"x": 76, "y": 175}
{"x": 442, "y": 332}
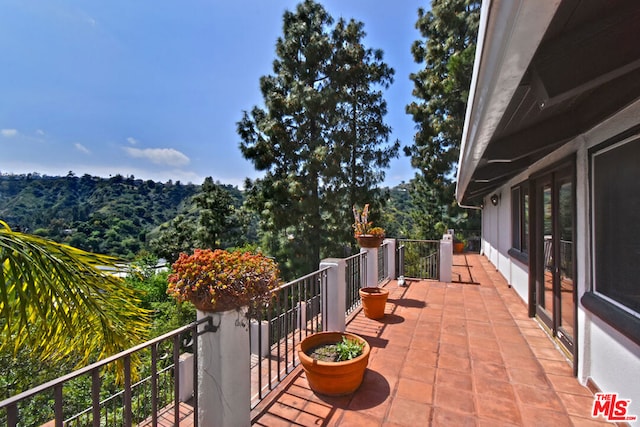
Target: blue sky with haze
{"x": 154, "y": 89}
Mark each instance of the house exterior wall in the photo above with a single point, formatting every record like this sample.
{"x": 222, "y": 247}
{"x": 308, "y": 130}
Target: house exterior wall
{"x": 605, "y": 356}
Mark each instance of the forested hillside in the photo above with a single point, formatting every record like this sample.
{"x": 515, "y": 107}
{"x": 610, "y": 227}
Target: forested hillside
{"x": 112, "y": 216}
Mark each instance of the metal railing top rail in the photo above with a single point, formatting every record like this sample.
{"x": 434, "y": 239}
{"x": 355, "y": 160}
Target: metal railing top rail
{"x": 300, "y": 279}
{"x": 419, "y": 240}
{"x": 97, "y": 365}
{"x": 352, "y": 257}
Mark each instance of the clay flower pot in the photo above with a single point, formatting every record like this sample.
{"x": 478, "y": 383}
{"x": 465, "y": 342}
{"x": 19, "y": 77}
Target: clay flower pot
{"x": 369, "y": 241}
{"x": 333, "y": 378}
{"x": 374, "y": 301}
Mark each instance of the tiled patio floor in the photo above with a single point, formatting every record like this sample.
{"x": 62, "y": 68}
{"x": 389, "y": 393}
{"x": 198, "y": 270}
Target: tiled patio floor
{"x": 447, "y": 354}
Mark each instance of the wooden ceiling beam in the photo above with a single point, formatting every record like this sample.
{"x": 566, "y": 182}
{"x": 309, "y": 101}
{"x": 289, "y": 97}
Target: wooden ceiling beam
{"x": 590, "y": 55}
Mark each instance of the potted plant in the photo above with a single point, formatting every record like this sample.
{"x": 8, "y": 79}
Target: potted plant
{"x": 458, "y": 243}
{"x": 367, "y": 235}
{"x": 334, "y": 362}
{"x": 219, "y": 280}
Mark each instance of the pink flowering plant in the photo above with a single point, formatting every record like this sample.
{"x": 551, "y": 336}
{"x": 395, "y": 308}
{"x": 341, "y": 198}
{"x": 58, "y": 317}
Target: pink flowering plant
{"x": 217, "y": 280}
{"x": 362, "y": 226}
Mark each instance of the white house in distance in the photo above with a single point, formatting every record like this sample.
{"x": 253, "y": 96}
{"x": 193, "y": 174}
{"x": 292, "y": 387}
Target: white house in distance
{"x": 551, "y": 153}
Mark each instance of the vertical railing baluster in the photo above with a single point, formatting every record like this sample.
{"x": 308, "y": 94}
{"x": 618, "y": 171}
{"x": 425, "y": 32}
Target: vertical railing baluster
{"x": 271, "y": 340}
{"x": 176, "y": 380}
{"x": 95, "y": 397}
{"x": 127, "y": 391}
{"x": 12, "y": 415}
{"x": 196, "y": 361}
{"x": 57, "y": 393}
{"x": 154, "y": 385}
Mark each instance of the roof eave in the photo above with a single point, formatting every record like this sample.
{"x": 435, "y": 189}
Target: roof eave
{"x": 509, "y": 34}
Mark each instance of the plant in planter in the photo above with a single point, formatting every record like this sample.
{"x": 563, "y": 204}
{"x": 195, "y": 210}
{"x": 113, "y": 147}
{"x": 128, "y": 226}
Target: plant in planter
{"x": 458, "y": 243}
{"x": 218, "y": 280}
{"x": 367, "y": 235}
{"x": 334, "y": 362}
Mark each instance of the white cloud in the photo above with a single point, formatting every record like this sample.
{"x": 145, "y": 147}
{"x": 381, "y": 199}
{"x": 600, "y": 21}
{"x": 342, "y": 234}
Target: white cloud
{"x": 159, "y": 156}
{"x": 82, "y": 148}
{"x": 8, "y": 133}
{"x": 132, "y": 141}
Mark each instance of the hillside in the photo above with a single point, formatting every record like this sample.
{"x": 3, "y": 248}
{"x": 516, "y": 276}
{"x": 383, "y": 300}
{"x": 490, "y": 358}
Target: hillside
{"x": 112, "y": 216}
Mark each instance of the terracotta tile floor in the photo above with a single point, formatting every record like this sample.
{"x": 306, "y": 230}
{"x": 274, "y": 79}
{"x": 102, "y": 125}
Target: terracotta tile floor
{"x": 447, "y": 354}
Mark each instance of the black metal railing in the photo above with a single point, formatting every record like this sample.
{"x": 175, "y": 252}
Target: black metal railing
{"x": 296, "y": 312}
{"x": 136, "y": 401}
{"x": 383, "y": 262}
{"x": 418, "y": 259}
{"x": 355, "y": 277}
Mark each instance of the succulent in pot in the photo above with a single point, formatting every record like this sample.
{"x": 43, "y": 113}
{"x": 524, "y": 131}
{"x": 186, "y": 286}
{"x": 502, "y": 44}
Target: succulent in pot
{"x": 342, "y": 370}
{"x": 367, "y": 235}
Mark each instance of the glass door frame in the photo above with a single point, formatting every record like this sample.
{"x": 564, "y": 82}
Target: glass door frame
{"x": 553, "y": 178}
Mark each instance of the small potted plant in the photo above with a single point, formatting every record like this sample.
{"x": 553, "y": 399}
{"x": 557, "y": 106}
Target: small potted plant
{"x": 367, "y": 235}
{"x": 219, "y": 280}
{"x": 458, "y": 243}
{"x": 334, "y": 362}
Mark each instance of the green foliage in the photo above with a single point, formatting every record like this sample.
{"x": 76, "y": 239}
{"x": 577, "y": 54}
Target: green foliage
{"x": 62, "y": 302}
{"x": 348, "y": 349}
{"x": 447, "y": 51}
{"x": 108, "y": 216}
{"x": 215, "y": 206}
{"x": 321, "y": 140}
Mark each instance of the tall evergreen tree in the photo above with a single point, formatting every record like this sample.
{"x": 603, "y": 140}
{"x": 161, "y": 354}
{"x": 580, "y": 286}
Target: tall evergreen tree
{"x": 215, "y": 206}
{"x": 450, "y": 30}
{"x": 360, "y": 133}
{"x": 322, "y": 118}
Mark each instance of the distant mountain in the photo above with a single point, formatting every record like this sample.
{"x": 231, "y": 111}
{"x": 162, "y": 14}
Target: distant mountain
{"x": 104, "y": 215}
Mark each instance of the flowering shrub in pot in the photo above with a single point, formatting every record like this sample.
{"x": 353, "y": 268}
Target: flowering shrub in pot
{"x": 367, "y": 235}
{"x": 219, "y": 280}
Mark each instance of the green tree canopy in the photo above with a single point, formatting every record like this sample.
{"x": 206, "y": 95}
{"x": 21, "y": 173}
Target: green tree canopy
{"x": 447, "y": 51}
{"x": 319, "y": 138}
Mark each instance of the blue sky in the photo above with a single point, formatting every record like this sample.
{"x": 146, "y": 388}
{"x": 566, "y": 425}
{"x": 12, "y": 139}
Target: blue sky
{"x": 154, "y": 89}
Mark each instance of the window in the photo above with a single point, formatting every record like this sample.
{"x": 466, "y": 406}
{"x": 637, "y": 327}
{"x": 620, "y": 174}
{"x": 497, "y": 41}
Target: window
{"x": 615, "y": 196}
{"x": 520, "y": 221}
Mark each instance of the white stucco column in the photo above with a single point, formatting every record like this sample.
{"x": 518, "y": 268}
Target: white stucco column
{"x": 391, "y": 257}
{"x": 335, "y": 297}
{"x": 224, "y": 377}
{"x": 446, "y": 258}
{"x": 372, "y": 267}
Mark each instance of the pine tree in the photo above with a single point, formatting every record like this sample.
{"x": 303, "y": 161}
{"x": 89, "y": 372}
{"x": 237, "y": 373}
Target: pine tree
{"x": 450, "y": 29}
{"x": 316, "y": 140}
{"x": 215, "y": 207}
{"x": 360, "y": 133}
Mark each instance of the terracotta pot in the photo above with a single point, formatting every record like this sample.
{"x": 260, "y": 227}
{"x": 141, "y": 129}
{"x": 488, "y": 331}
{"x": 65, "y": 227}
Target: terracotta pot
{"x": 204, "y": 304}
{"x": 458, "y": 247}
{"x": 333, "y": 378}
{"x": 374, "y": 301}
{"x": 368, "y": 241}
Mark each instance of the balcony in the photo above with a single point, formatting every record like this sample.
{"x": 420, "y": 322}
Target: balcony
{"x": 446, "y": 353}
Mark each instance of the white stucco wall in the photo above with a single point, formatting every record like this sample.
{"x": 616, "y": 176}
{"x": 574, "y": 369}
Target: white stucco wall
{"x": 607, "y": 357}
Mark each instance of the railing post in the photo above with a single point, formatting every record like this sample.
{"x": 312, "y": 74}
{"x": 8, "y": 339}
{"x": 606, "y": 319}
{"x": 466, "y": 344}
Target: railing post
{"x": 390, "y": 247}
{"x": 224, "y": 377}
{"x": 372, "y": 267}
{"x": 334, "y": 298}
{"x": 446, "y": 258}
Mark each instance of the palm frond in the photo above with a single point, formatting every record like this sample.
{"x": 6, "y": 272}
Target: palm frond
{"x": 60, "y": 300}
